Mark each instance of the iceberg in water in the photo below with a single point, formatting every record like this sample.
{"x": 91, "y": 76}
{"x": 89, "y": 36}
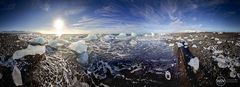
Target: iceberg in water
{"x": 30, "y": 50}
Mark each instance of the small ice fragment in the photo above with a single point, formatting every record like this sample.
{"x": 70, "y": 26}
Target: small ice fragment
{"x": 133, "y": 42}
{"x": 185, "y": 43}
{"x": 194, "y": 62}
{"x": 133, "y": 34}
{"x": 152, "y": 34}
{"x": 167, "y": 75}
{"x": 16, "y": 75}
{"x": 194, "y": 46}
{"x": 216, "y": 39}
{"x": 237, "y": 44}
{"x": 179, "y": 38}
{"x": 219, "y": 42}
{"x": 205, "y": 36}
{"x": 233, "y": 74}
{"x": 217, "y": 52}
{"x": 171, "y": 44}
{"x": 220, "y": 32}
{"x": 190, "y": 40}
{"x": 222, "y": 63}
{"x": 179, "y": 44}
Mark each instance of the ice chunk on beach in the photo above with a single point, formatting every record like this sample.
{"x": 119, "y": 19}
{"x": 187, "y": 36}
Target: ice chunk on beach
{"x": 219, "y": 42}
{"x": 222, "y": 63}
{"x": 171, "y": 44}
{"x": 83, "y": 59}
{"x": 122, "y": 36}
{"x": 216, "y": 39}
{"x": 133, "y": 42}
{"x": 30, "y": 50}
{"x": 78, "y": 46}
{"x": 194, "y": 46}
{"x": 233, "y": 74}
{"x": 91, "y": 37}
{"x": 133, "y": 34}
{"x": 152, "y": 34}
{"x": 107, "y": 38}
{"x": 57, "y": 43}
{"x": 217, "y": 52}
{"x": 179, "y": 38}
{"x": 16, "y": 76}
{"x": 38, "y": 40}
{"x": 194, "y": 62}
{"x": 179, "y": 44}
{"x": 220, "y": 32}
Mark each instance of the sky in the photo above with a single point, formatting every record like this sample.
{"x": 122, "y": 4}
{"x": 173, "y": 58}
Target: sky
{"x": 121, "y": 15}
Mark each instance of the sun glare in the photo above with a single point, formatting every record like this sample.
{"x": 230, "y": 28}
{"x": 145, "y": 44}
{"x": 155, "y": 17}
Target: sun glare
{"x": 59, "y": 25}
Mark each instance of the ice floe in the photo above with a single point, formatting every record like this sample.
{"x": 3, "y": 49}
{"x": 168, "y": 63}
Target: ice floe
{"x": 30, "y": 50}
{"x": 16, "y": 76}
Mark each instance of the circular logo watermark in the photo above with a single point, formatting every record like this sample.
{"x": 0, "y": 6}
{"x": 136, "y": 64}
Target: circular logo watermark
{"x": 220, "y": 81}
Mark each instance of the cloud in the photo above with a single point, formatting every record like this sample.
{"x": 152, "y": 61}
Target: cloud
{"x": 152, "y": 15}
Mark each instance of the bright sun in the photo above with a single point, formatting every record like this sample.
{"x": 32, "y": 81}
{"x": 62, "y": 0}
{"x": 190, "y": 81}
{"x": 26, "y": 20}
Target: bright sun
{"x": 59, "y": 25}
